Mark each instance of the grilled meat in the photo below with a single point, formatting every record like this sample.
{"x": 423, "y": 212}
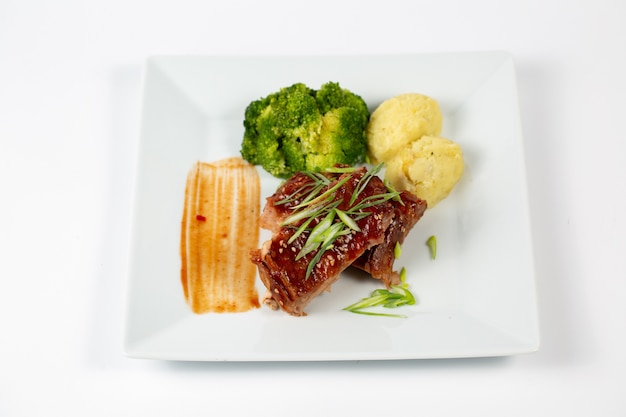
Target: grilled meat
{"x": 292, "y": 278}
{"x": 379, "y": 260}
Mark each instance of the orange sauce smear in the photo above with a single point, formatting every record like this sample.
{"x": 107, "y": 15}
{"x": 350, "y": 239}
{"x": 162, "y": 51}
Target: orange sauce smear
{"x": 220, "y": 227}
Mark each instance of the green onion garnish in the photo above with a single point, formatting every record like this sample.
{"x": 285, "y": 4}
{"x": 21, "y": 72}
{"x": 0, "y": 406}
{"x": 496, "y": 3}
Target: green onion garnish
{"x": 317, "y": 202}
{"x": 432, "y": 244}
{"x": 395, "y": 296}
{"x": 397, "y": 250}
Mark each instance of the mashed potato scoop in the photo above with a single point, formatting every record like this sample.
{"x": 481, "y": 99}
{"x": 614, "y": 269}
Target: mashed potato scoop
{"x": 429, "y": 168}
{"x": 404, "y": 133}
{"x": 398, "y": 122}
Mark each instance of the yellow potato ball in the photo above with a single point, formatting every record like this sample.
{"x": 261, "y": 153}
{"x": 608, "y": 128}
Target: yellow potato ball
{"x": 429, "y": 168}
{"x": 399, "y": 121}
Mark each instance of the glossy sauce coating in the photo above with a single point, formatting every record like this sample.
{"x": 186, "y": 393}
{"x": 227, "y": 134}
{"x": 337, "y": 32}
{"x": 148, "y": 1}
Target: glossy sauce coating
{"x": 284, "y": 275}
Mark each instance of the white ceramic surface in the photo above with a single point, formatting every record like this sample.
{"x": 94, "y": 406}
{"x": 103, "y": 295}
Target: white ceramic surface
{"x": 476, "y": 299}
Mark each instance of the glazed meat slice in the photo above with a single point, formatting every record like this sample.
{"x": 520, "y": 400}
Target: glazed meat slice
{"x": 379, "y": 260}
{"x": 293, "y": 281}
{"x": 281, "y": 269}
{"x": 292, "y": 192}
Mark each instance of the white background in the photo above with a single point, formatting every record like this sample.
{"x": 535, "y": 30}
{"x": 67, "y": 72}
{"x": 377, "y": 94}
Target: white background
{"x": 70, "y": 74}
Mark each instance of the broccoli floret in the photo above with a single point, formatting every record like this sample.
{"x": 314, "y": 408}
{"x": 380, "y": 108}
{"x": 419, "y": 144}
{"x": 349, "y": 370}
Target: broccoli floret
{"x": 301, "y": 129}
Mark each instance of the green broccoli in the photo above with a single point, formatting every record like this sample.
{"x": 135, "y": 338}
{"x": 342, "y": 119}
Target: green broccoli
{"x": 301, "y": 129}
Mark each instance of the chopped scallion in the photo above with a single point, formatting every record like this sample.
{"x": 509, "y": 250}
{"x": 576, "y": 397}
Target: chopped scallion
{"x": 316, "y": 213}
{"x": 395, "y": 296}
{"x": 432, "y": 245}
{"x": 397, "y": 250}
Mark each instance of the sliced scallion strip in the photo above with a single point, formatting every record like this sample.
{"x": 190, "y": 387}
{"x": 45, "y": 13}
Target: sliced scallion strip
{"x": 347, "y": 220}
{"x": 374, "y": 313}
{"x": 394, "y": 297}
{"x": 339, "y": 170}
{"x": 317, "y": 235}
{"x": 432, "y": 245}
{"x": 316, "y": 200}
{"x": 397, "y": 250}
{"x": 326, "y": 194}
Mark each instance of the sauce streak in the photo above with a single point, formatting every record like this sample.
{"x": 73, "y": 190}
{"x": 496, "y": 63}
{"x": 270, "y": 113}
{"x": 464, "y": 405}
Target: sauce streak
{"x": 219, "y": 229}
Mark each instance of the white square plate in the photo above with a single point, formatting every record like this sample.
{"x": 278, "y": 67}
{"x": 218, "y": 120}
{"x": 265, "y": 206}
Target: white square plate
{"x": 476, "y": 299}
